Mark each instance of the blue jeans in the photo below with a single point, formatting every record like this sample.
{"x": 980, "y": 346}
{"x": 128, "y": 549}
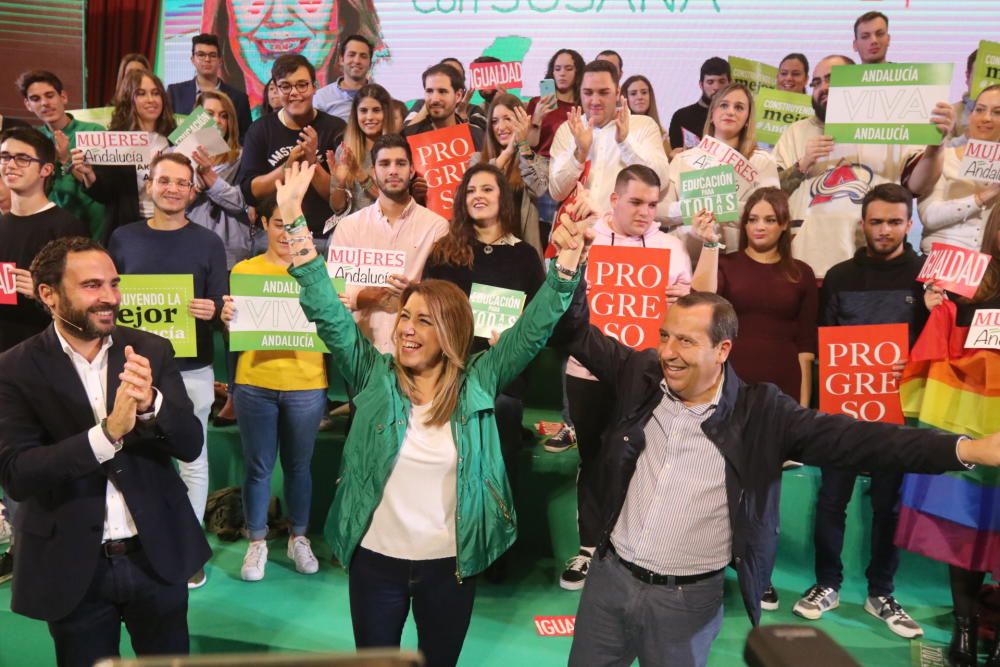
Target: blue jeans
{"x": 621, "y": 619}
{"x": 381, "y": 588}
{"x": 267, "y": 419}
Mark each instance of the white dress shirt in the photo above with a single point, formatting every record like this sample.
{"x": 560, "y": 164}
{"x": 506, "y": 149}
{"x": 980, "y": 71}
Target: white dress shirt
{"x": 118, "y": 522}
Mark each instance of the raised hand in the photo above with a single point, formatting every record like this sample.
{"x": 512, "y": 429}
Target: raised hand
{"x": 137, "y": 379}
{"x": 462, "y": 108}
{"x": 81, "y": 170}
{"x": 521, "y": 123}
{"x": 705, "y": 226}
{"x": 583, "y": 133}
{"x": 204, "y": 166}
{"x": 622, "y": 116}
{"x": 340, "y": 173}
{"x": 290, "y": 190}
{"x": 62, "y": 146}
{"x": 309, "y": 143}
{"x": 23, "y": 283}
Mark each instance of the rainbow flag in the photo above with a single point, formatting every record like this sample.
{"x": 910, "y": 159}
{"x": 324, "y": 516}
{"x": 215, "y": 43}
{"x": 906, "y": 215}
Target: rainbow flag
{"x": 954, "y": 517}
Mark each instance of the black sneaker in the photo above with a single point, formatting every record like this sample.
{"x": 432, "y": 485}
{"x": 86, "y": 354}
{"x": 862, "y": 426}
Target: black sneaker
{"x": 6, "y": 566}
{"x": 561, "y": 441}
{"x": 769, "y": 600}
{"x": 575, "y": 575}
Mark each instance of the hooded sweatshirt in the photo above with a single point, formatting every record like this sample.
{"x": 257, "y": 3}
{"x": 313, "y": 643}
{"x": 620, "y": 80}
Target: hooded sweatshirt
{"x": 680, "y": 264}
{"x": 862, "y": 290}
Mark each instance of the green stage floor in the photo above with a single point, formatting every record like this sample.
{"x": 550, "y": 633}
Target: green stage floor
{"x": 287, "y": 611}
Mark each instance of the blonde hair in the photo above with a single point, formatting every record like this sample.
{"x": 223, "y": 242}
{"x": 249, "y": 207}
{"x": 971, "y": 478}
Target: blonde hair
{"x": 232, "y": 136}
{"x": 451, "y": 316}
{"x": 748, "y": 135}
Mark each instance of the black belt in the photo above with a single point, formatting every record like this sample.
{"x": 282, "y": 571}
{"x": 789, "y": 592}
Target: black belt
{"x": 120, "y": 547}
{"x": 650, "y": 577}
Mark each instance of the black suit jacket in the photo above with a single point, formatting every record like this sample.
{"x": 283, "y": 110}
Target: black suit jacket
{"x": 183, "y": 94}
{"x": 47, "y": 464}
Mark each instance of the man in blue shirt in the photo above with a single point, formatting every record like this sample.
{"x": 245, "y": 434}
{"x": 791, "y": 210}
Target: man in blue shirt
{"x": 356, "y": 61}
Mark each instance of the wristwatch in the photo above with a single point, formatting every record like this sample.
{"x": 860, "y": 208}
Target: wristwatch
{"x": 117, "y": 444}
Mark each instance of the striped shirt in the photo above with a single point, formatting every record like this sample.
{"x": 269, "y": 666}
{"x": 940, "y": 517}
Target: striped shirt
{"x": 675, "y": 519}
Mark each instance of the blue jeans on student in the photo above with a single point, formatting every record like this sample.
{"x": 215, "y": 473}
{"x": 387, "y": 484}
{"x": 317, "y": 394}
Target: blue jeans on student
{"x": 381, "y": 589}
{"x": 271, "y": 422}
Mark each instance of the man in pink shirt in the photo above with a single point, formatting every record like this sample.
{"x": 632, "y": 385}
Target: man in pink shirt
{"x": 394, "y": 222}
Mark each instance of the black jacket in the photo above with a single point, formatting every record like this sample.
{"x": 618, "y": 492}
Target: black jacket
{"x": 756, "y": 428}
{"x": 46, "y": 463}
{"x": 862, "y": 290}
{"x": 117, "y": 187}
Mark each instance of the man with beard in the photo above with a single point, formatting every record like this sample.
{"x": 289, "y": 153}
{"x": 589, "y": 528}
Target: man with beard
{"x": 600, "y": 139}
{"x": 444, "y": 89}
{"x": 877, "y": 286}
{"x": 355, "y": 61}
{"x": 27, "y": 164}
{"x": 394, "y": 222}
{"x": 90, "y": 417}
{"x": 690, "y": 120}
{"x": 826, "y": 182}
{"x": 169, "y": 243}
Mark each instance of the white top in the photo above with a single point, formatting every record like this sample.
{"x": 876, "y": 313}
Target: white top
{"x": 950, "y": 213}
{"x": 607, "y": 157}
{"x": 828, "y": 201}
{"x": 764, "y": 174}
{"x": 118, "y": 522}
{"x": 415, "y": 520}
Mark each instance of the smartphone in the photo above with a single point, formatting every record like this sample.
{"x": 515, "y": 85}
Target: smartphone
{"x": 546, "y": 87}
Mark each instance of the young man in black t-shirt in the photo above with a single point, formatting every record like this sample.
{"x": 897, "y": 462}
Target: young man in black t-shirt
{"x": 715, "y": 75}
{"x": 297, "y": 132}
{"x": 27, "y": 162}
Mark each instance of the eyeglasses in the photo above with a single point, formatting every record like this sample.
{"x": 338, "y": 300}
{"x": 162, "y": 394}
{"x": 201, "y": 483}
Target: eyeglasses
{"x": 206, "y": 55}
{"x": 181, "y": 183}
{"x": 300, "y": 86}
{"x": 21, "y": 160}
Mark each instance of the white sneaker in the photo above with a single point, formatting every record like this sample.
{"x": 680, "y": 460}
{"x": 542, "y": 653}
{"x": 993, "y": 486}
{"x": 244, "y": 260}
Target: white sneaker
{"x": 300, "y": 551}
{"x": 886, "y": 608}
{"x": 255, "y": 561}
{"x": 575, "y": 575}
{"x": 817, "y": 600}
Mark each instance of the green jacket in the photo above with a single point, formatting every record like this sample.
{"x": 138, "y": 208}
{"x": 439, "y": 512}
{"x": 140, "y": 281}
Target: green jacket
{"x": 485, "y": 523}
{"x": 69, "y": 193}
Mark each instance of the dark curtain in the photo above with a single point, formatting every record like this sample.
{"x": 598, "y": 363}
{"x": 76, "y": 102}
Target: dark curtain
{"x": 114, "y": 28}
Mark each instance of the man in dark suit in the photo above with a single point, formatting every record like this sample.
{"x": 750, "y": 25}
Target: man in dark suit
{"x": 205, "y": 56}
{"x": 90, "y": 417}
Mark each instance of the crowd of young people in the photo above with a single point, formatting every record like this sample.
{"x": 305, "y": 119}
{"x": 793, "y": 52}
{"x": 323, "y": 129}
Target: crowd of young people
{"x": 437, "y": 408}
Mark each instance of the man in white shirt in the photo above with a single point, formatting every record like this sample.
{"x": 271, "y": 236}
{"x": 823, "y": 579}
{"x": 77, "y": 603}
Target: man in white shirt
{"x": 597, "y": 142}
{"x": 91, "y": 418}
{"x": 826, "y": 181}
{"x": 336, "y": 98}
{"x": 394, "y": 222}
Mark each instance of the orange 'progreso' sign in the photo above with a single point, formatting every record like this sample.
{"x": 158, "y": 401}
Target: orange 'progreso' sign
{"x": 626, "y": 292}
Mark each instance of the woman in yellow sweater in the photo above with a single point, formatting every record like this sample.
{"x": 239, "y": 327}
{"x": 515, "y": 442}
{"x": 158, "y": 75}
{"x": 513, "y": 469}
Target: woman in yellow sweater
{"x": 280, "y": 397}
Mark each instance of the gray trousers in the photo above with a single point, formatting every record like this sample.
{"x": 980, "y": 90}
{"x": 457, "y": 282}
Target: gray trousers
{"x": 621, "y": 619}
